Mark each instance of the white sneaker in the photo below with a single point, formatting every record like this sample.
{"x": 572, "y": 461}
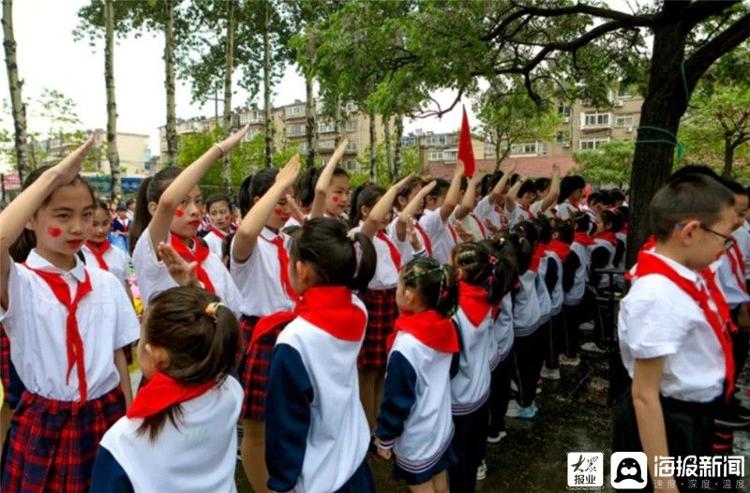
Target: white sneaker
{"x": 591, "y": 347}
{"x": 513, "y": 409}
{"x": 550, "y": 374}
{"x": 564, "y": 360}
{"x": 587, "y": 327}
{"x": 482, "y": 471}
{"x": 497, "y": 438}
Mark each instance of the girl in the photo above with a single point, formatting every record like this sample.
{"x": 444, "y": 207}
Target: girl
{"x": 169, "y": 208}
{"x": 415, "y": 422}
{"x": 180, "y": 432}
{"x": 412, "y": 241}
{"x": 463, "y": 218}
{"x": 491, "y": 208}
{"x": 571, "y": 191}
{"x": 433, "y": 223}
{"x": 62, "y": 412}
{"x": 604, "y": 251}
{"x": 370, "y": 215}
{"x": 219, "y": 208}
{"x": 332, "y": 190}
{"x": 98, "y": 251}
{"x": 316, "y": 431}
{"x": 479, "y": 291}
{"x": 260, "y": 265}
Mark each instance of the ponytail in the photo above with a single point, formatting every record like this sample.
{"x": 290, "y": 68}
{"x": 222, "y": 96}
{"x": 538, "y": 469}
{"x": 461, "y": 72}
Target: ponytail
{"x": 435, "y": 284}
{"x": 365, "y": 195}
{"x": 365, "y": 262}
{"x": 150, "y": 191}
{"x": 504, "y": 267}
{"x": 481, "y": 268}
{"x": 244, "y": 201}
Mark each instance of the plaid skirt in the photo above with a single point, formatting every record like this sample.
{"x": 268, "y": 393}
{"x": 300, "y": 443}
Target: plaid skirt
{"x": 255, "y": 369}
{"x": 12, "y": 384}
{"x": 52, "y": 444}
{"x": 382, "y": 312}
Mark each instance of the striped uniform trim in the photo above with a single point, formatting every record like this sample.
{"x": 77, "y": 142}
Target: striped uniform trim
{"x": 422, "y": 466}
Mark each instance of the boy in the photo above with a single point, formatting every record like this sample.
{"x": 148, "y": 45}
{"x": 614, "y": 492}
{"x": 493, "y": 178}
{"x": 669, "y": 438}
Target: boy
{"x": 674, "y": 327}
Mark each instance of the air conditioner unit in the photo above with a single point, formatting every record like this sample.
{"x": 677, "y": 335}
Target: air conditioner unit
{"x": 629, "y": 130}
{"x": 618, "y": 103}
{"x": 566, "y": 119}
{"x": 565, "y": 144}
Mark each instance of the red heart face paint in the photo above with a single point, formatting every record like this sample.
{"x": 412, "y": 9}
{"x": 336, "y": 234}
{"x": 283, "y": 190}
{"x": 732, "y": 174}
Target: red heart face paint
{"x": 179, "y": 213}
{"x": 278, "y": 211}
{"x": 54, "y": 232}
{"x": 336, "y": 198}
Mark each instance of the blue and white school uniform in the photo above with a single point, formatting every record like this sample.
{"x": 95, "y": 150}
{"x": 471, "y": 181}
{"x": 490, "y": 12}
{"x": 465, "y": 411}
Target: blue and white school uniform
{"x": 198, "y": 454}
{"x": 742, "y": 235}
{"x": 153, "y": 276}
{"x": 317, "y": 434}
{"x": 215, "y": 241}
{"x": 415, "y": 412}
{"x": 556, "y": 296}
{"x": 527, "y": 313}
{"x": 441, "y": 234}
{"x": 503, "y": 332}
{"x": 574, "y": 296}
{"x": 730, "y": 279}
{"x": 116, "y": 259}
{"x": 543, "y": 295}
{"x": 527, "y": 350}
{"x": 471, "y": 224}
{"x": 566, "y": 210}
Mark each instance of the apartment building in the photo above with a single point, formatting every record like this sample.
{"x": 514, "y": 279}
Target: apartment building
{"x": 436, "y": 148}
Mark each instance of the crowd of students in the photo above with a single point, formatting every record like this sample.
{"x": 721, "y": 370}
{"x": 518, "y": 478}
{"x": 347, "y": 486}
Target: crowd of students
{"x": 450, "y": 299}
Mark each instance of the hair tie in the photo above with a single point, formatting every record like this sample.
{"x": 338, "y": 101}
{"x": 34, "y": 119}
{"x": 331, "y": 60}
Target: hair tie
{"x": 492, "y": 259}
{"x": 212, "y": 307}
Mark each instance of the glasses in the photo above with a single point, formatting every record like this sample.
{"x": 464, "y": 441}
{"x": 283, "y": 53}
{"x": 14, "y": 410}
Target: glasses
{"x": 728, "y": 240}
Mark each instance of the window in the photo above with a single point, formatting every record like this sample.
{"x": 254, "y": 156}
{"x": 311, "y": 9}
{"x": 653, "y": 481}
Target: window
{"x": 565, "y": 111}
{"x": 625, "y": 121}
{"x": 595, "y": 120}
{"x": 451, "y": 155}
{"x": 624, "y": 92}
{"x": 295, "y": 130}
{"x": 408, "y": 140}
{"x": 326, "y": 127}
{"x": 563, "y": 138}
{"x": 351, "y": 126}
{"x": 590, "y": 144}
{"x": 524, "y": 149}
{"x": 351, "y": 146}
{"x": 351, "y": 107}
{"x": 292, "y": 111}
{"x": 251, "y": 117}
{"x": 352, "y": 164}
{"x": 326, "y": 144}
{"x": 437, "y": 140}
{"x": 435, "y": 156}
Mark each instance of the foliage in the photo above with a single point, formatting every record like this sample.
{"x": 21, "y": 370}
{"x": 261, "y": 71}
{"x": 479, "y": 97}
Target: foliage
{"x": 409, "y": 164}
{"x": 610, "y": 164}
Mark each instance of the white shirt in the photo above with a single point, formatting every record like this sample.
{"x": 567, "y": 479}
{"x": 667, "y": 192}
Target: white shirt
{"x": 117, "y": 261}
{"x": 565, "y": 210}
{"x": 386, "y": 272}
{"x": 742, "y": 235}
{"x": 470, "y": 223}
{"x": 35, "y": 323}
{"x": 440, "y": 237}
{"x": 486, "y": 210}
{"x": 153, "y": 276}
{"x": 404, "y": 247}
{"x": 658, "y": 319}
{"x": 259, "y": 277}
{"x": 215, "y": 244}
{"x": 734, "y": 292}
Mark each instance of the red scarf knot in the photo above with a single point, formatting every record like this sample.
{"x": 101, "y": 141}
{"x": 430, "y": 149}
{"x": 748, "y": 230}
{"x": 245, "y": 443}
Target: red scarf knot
{"x": 198, "y": 255}
{"x": 99, "y": 252}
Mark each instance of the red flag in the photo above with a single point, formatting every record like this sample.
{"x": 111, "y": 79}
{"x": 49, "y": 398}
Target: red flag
{"x": 465, "y": 150}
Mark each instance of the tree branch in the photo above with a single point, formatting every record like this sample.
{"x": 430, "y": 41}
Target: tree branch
{"x": 440, "y": 112}
{"x": 630, "y": 20}
{"x": 703, "y": 9}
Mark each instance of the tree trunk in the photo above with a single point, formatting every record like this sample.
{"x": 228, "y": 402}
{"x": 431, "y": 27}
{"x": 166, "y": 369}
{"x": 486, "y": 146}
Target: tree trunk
{"x": 339, "y": 122}
{"x": 109, "y": 80}
{"x": 397, "y": 148}
{"x": 228, "y": 70}
{"x": 728, "y": 157}
{"x": 498, "y": 153}
{"x": 14, "y": 84}
{"x": 373, "y": 150}
{"x": 169, "y": 83}
{"x": 311, "y": 132}
{"x": 388, "y": 150}
{"x": 267, "y": 88}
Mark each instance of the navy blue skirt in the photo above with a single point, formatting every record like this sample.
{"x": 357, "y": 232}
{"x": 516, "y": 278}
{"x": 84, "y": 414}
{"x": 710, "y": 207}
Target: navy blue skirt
{"x": 448, "y": 459}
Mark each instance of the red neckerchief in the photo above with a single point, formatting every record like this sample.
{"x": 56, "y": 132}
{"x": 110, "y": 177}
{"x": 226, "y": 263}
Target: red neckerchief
{"x": 283, "y": 257}
{"x": 536, "y": 256}
{"x": 329, "y": 308}
{"x": 425, "y": 239}
{"x": 99, "y": 252}
{"x": 607, "y": 236}
{"x": 395, "y": 255}
{"x": 161, "y": 392}
{"x": 649, "y": 263}
{"x": 482, "y": 227}
{"x": 559, "y": 248}
{"x": 528, "y": 211}
{"x": 625, "y": 228}
{"x": 428, "y": 327}
{"x": 473, "y": 301}
{"x": 199, "y": 255}
{"x": 73, "y": 341}
{"x": 218, "y": 232}
{"x": 583, "y": 238}
{"x": 737, "y": 262}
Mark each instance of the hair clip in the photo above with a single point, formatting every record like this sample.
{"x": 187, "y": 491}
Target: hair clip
{"x": 212, "y": 307}
{"x": 492, "y": 259}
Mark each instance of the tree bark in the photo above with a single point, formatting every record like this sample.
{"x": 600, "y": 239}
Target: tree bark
{"x": 388, "y": 147}
{"x": 109, "y": 80}
{"x": 338, "y": 121}
{"x": 728, "y": 158}
{"x": 397, "y": 148}
{"x": 228, "y": 70}
{"x": 15, "y": 84}
{"x": 373, "y": 150}
{"x": 169, "y": 82}
{"x": 311, "y": 131}
{"x": 267, "y": 110}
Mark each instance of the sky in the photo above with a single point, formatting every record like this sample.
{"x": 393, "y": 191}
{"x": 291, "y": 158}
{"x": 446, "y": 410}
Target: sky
{"x": 48, "y": 57}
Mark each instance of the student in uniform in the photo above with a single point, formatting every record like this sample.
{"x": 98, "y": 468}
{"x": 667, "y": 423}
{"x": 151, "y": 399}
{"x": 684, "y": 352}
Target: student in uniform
{"x": 415, "y": 423}
{"x": 606, "y": 249}
{"x": 332, "y": 189}
{"x": 491, "y": 208}
{"x": 547, "y": 191}
{"x": 180, "y": 433}
{"x": 219, "y": 209}
{"x": 571, "y": 192}
{"x": 674, "y": 327}
{"x": 316, "y": 430}
{"x": 121, "y": 226}
{"x": 575, "y": 275}
{"x": 168, "y": 210}
{"x": 479, "y": 296}
{"x": 370, "y": 215}
{"x": 79, "y": 318}
{"x": 410, "y": 240}
{"x": 464, "y": 220}
{"x": 98, "y": 251}
{"x": 433, "y": 223}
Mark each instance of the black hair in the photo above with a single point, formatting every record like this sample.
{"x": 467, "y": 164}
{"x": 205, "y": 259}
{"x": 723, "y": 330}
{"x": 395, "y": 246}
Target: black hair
{"x": 544, "y": 229}
{"x": 19, "y": 250}
{"x": 441, "y": 188}
{"x": 244, "y": 202}
{"x": 624, "y": 211}
{"x": 565, "y": 229}
{"x": 606, "y": 199}
{"x": 506, "y": 264}
{"x": 226, "y": 250}
{"x": 526, "y": 187}
{"x": 694, "y": 169}
{"x": 522, "y": 248}
{"x": 365, "y": 195}
{"x": 435, "y": 284}
{"x": 408, "y": 188}
{"x": 582, "y": 222}
{"x": 593, "y": 198}
{"x": 202, "y": 347}
{"x": 480, "y": 268}
{"x": 513, "y": 179}
{"x": 323, "y": 243}
{"x": 734, "y": 186}
{"x": 614, "y": 219}
{"x": 218, "y": 197}
{"x": 260, "y": 184}
{"x": 542, "y": 184}
{"x": 150, "y": 191}
{"x": 688, "y": 197}
{"x": 101, "y": 204}
{"x": 304, "y": 188}
{"x": 617, "y": 195}
{"x": 568, "y": 186}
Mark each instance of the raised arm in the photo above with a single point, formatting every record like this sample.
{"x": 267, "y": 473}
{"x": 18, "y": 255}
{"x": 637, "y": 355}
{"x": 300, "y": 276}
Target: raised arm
{"x": 158, "y": 228}
{"x": 324, "y": 180}
{"x": 14, "y": 217}
{"x": 512, "y": 197}
{"x": 381, "y": 209}
{"x": 497, "y": 190}
{"x": 554, "y": 189}
{"x": 454, "y": 192}
{"x": 467, "y": 204}
{"x": 254, "y": 221}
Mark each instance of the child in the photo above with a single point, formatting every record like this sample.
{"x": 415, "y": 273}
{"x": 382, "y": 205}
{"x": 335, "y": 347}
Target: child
{"x": 547, "y": 192}
{"x": 571, "y": 192}
{"x": 98, "y": 251}
{"x": 575, "y": 275}
{"x": 121, "y": 226}
{"x": 490, "y": 209}
{"x": 464, "y": 218}
{"x": 439, "y": 206}
{"x": 259, "y": 262}
{"x": 169, "y": 208}
{"x": 673, "y": 328}
{"x": 316, "y": 430}
{"x": 555, "y": 252}
{"x": 219, "y": 209}
{"x": 479, "y": 292}
{"x": 332, "y": 190}
{"x": 180, "y": 433}
{"x": 415, "y": 421}
{"x": 50, "y": 302}
{"x": 411, "y": 240}
{"x": 606, "y": 248}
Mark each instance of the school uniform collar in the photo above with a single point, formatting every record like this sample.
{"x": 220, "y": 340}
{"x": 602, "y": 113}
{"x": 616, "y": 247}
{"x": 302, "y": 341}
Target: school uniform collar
{"x": 37, "y": 262}
{"x": 268, "y": 234}
{"x": 683, "y": 271}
